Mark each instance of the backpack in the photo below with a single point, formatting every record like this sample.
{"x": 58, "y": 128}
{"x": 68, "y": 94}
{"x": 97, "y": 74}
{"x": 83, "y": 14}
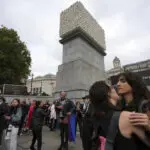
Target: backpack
{"x": 107, "y": 143}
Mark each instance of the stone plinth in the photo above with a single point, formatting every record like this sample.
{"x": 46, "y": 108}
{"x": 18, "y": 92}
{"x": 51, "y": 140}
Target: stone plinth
{"x": 83, "y": 52}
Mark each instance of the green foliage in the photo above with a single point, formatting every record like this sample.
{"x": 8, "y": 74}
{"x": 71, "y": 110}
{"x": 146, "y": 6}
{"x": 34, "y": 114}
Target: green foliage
{"x": 15, "y": 59}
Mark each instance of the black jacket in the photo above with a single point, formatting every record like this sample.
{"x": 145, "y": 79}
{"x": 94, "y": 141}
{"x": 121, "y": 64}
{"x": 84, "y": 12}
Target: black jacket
{"x": 97, "y": 116}
{"x": 4, "y": 110}
{"x": 38, "y": 118}
{"x": 15, "y": 114}
{"x": 25, "y": 109}
{"x": 68, "y": 106}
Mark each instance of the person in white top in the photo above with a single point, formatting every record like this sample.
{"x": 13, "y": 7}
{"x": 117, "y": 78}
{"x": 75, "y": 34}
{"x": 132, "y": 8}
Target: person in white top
{"x": 53, "y": 117}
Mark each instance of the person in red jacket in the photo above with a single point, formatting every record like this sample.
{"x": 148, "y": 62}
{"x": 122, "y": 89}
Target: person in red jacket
{"x": 30, "y": 113}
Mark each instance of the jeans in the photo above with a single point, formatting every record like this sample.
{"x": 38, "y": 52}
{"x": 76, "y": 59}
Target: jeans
{"x": 2, "y": 144}
{"x": 13, "y": 138}
{"x": 52, "y": 124}
{"x": 37, "y": 135}
{"x": 79, "y": 121}
{"x": 21, "y": 125}
{"x": 1, "y": 135}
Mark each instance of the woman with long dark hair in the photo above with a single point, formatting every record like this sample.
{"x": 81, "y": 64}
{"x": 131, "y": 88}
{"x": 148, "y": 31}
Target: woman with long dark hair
{"x": 134, "y": 92}
{"x": 103, "y": 99}
{"x": 37, "y": 124}
{"x": 103, "y": 108}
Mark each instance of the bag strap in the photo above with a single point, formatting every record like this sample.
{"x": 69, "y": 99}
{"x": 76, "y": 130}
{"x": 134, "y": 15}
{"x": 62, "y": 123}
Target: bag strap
{"x": 112, "y": 131}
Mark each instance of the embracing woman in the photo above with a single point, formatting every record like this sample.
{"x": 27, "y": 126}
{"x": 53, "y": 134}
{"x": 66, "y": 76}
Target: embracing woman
{"x": 134, "y": 92}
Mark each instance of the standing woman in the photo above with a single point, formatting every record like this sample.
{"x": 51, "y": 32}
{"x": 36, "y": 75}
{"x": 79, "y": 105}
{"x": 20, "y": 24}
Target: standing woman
{"x": 125, "y": 136}
{"x": 15, "y": 120}
{"x": 31, "y": 108}
{"x": 52, "y": 117}
{"x": 37, "y": 123}
{"x": 133, "y": 92}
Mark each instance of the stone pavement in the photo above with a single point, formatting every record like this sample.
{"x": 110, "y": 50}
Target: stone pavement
{"x": 51, "y": 141}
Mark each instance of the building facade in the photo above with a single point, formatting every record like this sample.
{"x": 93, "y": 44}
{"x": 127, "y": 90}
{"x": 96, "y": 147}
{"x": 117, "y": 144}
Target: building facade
{"x": 112, "y": 73}
{"x": 142, "y": 68}
{"x": 116, "y": 68}
{"x": 42, "y": 85}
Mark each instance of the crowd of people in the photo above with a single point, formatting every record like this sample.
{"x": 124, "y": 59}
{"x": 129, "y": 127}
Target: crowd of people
{"x": 108, "y": 118}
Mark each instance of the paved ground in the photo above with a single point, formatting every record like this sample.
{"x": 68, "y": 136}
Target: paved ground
{"x": 51, "y": 141}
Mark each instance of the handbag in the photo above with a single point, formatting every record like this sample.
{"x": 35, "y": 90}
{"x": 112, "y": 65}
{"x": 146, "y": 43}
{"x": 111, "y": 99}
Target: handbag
{"x": 8, "y": 132}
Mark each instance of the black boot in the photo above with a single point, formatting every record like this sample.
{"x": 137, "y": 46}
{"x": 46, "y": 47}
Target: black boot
{"x": 32, "y": 148}
{"x": 66, "y": 146}
{"x": 60, "y": 147}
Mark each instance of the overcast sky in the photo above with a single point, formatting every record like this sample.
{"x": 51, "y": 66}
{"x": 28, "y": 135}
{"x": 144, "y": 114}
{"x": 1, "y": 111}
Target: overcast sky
{"x": 126, "y": 24}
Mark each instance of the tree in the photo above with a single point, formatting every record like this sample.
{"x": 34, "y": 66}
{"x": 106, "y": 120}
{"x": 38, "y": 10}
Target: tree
{"x": 15, "y": 59}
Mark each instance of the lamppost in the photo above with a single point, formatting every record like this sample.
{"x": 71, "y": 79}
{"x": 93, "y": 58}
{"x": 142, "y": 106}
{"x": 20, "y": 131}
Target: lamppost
{"x": 52, "y": 85}
{"x": 32, "y": 75}
{"x": 3, "y": 89}
{"x": 41, "y": 87}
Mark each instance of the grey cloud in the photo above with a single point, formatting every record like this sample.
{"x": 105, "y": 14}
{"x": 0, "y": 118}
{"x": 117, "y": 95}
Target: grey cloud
{"x": 131, "y": 39}
{"x": 126, "y": 24}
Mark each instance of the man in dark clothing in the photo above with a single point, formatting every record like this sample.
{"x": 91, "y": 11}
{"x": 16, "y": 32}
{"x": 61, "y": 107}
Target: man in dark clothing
{"x": 81, "y": 110}
{"x": 4, "y": 110}
{"x": 88, "y": 128}
{"x": 79, "y": 120}
{"x": 66, "y": 108}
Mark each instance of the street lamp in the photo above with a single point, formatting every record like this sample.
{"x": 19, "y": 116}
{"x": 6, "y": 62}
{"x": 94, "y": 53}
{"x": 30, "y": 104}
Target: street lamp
{"x": 52, "y": 85}
{"x": 32, "y": 75}
{"x": 41, "y": 86}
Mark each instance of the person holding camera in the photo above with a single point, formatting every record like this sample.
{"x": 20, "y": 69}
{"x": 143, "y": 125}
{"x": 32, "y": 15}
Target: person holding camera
{"x": 66, "y": 108}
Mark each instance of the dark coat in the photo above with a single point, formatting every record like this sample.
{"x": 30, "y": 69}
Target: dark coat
{"x": 4, "y": 110}
{"x": 25, "y": 109}
{"x": 16, "y": 115}
{"x": 38, "y": 118}
{"x": 97, "y": 116}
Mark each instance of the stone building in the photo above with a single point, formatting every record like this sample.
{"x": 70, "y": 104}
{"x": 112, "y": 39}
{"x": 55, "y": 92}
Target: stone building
{"x": 116, "y": 68}
{"x": 142, "y": 68}
{"x": 42, "y": 84}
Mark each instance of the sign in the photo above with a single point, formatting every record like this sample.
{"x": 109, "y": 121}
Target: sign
{"x": 10, "y": 89}
{"x": 145, "y": 75}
